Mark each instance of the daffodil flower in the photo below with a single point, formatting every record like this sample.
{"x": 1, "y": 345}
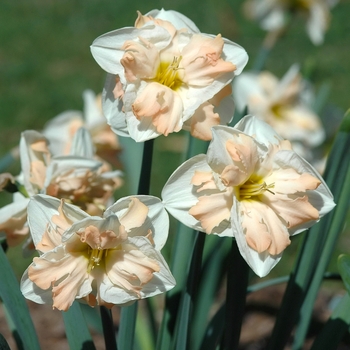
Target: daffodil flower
{"x": 163, "y": 75}
{"x": 274, "y": 14}
{"x": 61, "y": 129}
{"x": 109, "y": 260}
{"x": 251, "y": 186}
{"x": 284, "y": 104}
{"x": 77, "y": 177}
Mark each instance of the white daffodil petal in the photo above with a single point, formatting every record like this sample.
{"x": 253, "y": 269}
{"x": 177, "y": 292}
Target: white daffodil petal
{"x": 177, "y": 192}
{"x": 177, "y": 19}
{"x": 107, "y": 48}
{"x": 156, "y": 222}
{"x": 260, "y": 263}
{"x": 259, "y": 130}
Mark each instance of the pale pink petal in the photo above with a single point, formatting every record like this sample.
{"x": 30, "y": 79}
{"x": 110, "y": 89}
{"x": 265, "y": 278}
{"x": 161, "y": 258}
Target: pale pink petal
{"x": 135, "y": 215}
{"x": 263, "y": 229}
{"x": 202, "y": 120}
{"x": 129, "y": 268}
{"x": 118, "y": 91}
{"x": 140, "y": 61}
{"x": 106, "y": 239}
{"x": 162, "y": 105}
{"x": 129, "y": 287}
{"x": 204, "y": 180}
{"x": 288, "y": 181}
{"x": 224, "y": 92}
{"x": 156, "y": 221}
{"x": 202, "y": 60}
{"x": 244, "y": 154}
{"x": 70, "y": 271}
{"x": 142, "y": 20}
{"x": 212, "y": 210}
{"x": 295, "y": 211}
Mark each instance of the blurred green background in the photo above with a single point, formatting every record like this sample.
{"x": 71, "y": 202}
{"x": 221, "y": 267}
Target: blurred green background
{"x": 45, "y": 60}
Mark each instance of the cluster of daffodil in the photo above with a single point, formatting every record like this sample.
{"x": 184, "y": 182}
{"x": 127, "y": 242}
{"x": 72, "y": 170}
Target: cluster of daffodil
{"x": 164, "y": 75}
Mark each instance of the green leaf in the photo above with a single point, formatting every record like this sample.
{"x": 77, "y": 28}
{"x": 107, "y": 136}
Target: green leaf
{"x": 336, "y": 327}
{"x": 184, "y": 314}
{"x": 16, "y": 306}
{"x": 214, "y": 268}
{"x": 344, "y": 270}
{"x": 127, "y": 326}
{"x": 3, "y": 343}
{"x": 318, "y": 246}
{"x": 78, "y": 335}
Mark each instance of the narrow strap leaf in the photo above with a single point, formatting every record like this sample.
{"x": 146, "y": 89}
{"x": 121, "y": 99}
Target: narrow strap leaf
{"x": 237, "y": 283}
{"x": 77, "y": 332}
{"x": 335, "y": 328}
{"x": 181, "y": 338}
{"x": 16, "y": 305}
{"x": 128, "y": 314}
{"x": 314, "y": 241}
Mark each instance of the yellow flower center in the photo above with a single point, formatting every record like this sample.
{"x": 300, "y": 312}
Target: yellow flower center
{"x": 168, "y": 74}
{"x": 277, "y": 110}
{"x": 252, "y": 189}
{"x": 96, "y": 255}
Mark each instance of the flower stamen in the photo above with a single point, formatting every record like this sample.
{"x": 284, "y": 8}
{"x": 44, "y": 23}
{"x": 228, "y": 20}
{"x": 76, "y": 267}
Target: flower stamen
{"x": 252, "y": 189}
{"x": 96, "y": 255}
{"x": 168, "y": 73}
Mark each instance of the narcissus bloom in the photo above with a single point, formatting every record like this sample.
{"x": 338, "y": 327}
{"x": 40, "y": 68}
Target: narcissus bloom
{"x": 274, "y": 14}
{"x": 252, "y": 186}
{"x": 284, "y": 104}
{"x": 62, "y": 129}
{"x": 77, "y": 177}
{"x": 163, "y": 75}
{"x": 109, "y": 260}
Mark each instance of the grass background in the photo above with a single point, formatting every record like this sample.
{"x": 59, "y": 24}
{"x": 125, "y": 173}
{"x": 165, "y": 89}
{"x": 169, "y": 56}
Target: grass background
{"x": 45, "y": 60}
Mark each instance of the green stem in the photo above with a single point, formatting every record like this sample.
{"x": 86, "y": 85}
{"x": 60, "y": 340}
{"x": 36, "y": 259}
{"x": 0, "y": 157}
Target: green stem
{"x": 108, "y": 328}
{"x": 181, "y": 253}
{"x": 128, "y": 315}
{"x": 183, "y": 325}
{"x": 237, "y": 283}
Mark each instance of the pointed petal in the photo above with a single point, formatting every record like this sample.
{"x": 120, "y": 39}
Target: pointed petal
{"x": 212, "y": 210}
{"x": 108, "y": 50}
{"x": 135, "y": 215}
{"x": 177, "y": 19}
{"x": 258, "y": 129}
{"x": 177, "y": 194}
{"x": 260, "y": 263}
{"x": 156, "y": 223}
{"x": 202, "y": 121}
